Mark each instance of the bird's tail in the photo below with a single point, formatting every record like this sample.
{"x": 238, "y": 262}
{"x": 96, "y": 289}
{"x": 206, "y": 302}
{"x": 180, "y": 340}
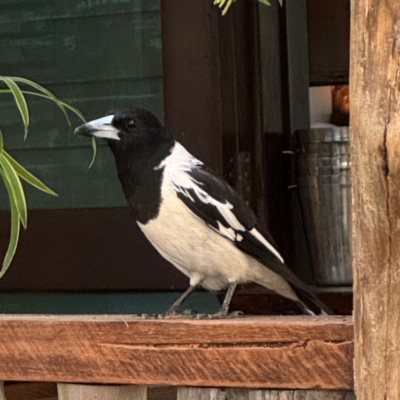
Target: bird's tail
{"x": 293, "y": 288}
{"x": 308, "y": 301}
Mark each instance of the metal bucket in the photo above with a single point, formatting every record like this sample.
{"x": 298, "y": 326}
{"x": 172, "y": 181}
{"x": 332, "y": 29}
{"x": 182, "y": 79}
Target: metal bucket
{"x": 324, "y": 181}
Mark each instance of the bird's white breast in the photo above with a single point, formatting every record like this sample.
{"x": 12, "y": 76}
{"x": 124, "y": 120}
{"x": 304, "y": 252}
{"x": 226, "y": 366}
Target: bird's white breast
{"x": 194, "y": 248}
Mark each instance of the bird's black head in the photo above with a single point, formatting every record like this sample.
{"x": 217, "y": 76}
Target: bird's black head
{"x": 126, "y": 129}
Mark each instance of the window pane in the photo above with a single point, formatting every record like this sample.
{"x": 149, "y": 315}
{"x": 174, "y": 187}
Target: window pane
{"x": 96, "y": 55}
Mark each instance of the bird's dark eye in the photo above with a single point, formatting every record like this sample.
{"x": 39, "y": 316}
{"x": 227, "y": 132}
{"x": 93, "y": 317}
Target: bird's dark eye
{"x": 130, "y": 123}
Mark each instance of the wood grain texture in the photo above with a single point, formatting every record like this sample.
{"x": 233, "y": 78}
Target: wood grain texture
{"x": 274, "y": 352}
{"x": 68, "y": 391}
{"x": 375, "y": 138}
{"x": 245, "y": 394}
{"x": 2, "y": 396}
{"x": 30, "y": 390}
{"x": 162, "y": 393}
{"x": 48, "y": 390}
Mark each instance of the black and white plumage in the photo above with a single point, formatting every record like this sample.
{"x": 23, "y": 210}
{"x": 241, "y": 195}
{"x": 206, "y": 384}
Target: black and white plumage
{"x": 190, "y": 215}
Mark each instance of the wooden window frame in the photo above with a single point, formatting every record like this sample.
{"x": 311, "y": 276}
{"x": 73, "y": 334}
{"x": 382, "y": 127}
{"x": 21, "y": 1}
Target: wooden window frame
{"x": 228, "y": 90}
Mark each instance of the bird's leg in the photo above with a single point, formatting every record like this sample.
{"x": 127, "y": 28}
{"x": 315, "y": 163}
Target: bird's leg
{"x": 174, "y": 308}
{"x": 223, "y": 311}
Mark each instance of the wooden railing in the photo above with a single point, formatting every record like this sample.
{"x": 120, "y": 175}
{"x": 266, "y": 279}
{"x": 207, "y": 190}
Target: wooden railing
{"x": 250, "y": 356}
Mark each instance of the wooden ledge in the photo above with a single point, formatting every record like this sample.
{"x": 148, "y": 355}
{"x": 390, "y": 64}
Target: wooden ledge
{"x": 266, "y": 352}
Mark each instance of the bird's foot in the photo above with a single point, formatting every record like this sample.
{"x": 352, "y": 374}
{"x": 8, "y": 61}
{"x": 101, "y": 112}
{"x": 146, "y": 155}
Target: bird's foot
{"x": 222, "y": 315}
{"x": 146, "y": 316}
{"x": 170, "y": 314}
{"x": 235, "y": 314}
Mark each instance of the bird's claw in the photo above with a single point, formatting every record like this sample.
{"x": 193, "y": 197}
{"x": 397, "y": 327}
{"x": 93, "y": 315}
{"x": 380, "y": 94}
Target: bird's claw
{"x": 221, "y": 315}
{"x": 235, "y": 314}
{"x": 170, "y": 314}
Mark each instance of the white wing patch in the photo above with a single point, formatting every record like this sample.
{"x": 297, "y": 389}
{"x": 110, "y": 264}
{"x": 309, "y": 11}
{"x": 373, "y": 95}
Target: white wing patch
{"x": 227, "y": 232}
{"x": 268, "y": 245}
{"x": 223, "y": 208}
{"x": 229, "y": 216}
{"x": 176, "y": 178}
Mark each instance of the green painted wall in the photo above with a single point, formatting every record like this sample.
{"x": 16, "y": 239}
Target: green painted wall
{"x": 103, "y": 303}
{"x": 94, "y": 54}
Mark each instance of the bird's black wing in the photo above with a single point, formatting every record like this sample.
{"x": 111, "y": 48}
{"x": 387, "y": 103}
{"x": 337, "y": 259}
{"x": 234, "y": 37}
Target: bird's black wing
{"x": 219, "y": 206}
{"x": 211, "y": 199}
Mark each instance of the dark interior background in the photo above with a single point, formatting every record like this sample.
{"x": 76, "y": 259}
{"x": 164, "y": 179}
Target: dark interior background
{"x": 227, "y": 87}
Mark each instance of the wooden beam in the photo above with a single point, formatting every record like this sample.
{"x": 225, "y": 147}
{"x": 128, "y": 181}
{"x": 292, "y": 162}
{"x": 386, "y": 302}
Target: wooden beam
{"x": 48, "y": 391}
{"x": 68, "y": 391}
{"x": 265, "y": 352}
{"x": 375, "y": 138}
{"x": 30, "y": 390}
{"x": 246, "y": 394}
{"x": 2, "y": 395}
{"x": 162, "y": 393}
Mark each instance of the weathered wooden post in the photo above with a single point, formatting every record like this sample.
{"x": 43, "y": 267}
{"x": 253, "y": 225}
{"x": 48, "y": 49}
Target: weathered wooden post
{"x": 248, "y": 394}
{"x": 96, "y": 392}
{"x": 2, "y": 396}
{"x": 375, "y": 136}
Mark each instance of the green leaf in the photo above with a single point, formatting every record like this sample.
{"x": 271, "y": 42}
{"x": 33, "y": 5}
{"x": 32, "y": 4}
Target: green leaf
{"x": 266, "y": 2}
{"x": 15, "y": 227}
{"x": 27, "y": 176}
{"x": 46, "y": 92}
{"x": 66, "y": 105}
{"x": 225, "y": 4}
{"x": 1, "y": 142}
{"x": 94, "y": 146}
{"x": 19, "y": 99}
{"x": 226, "y": 8}
{"x": 17, "y": 190}
{"x": 11, "y": 171}
{"x": 74, "y": 110}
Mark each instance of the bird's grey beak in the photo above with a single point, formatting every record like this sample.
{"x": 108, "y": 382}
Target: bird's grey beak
{"x": 99, "y": 128}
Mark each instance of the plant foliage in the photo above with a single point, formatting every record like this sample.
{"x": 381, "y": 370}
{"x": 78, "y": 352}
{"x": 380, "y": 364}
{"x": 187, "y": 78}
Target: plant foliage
{"x": 225, "y": 4}
{"x": 11, "y": 172}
